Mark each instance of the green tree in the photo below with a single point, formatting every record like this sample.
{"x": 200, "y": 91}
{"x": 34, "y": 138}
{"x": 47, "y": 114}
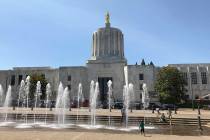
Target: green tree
{"x": 33, "y": 81}
{"x": 170, "y": 85}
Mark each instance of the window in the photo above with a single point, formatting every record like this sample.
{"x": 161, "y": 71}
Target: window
{"x": 20, "y": 78}
{"x": 69, "y": 87}
{"x": 203, "y": 78}
{"x": 69, "y": 78}
{"x": 196, "y": 97}
{"x": 184, "y": 74}
{"x": 141, "y": 86}
{"x": 141, "y": 76}
{"x": 12, "y": 80}
{"x": 194, "y": 78}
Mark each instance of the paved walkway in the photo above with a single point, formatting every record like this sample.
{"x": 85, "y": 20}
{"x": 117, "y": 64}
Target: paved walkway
{"x": 69, "y": 135}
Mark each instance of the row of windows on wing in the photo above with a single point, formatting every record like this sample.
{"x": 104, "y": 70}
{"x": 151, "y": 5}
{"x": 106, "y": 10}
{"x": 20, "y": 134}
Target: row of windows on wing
{"x": 20, "y": 78}
{"x": 194, "y": 77}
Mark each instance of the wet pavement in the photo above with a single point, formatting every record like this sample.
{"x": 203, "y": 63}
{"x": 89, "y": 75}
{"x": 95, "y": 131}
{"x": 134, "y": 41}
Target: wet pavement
{"x": 162, "y": 130}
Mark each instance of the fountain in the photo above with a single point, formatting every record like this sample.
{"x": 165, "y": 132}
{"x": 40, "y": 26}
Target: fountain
{"x": 65, "y": 103}
{"x": 1, "y": 95}
{"x": 145, "y": 96}
{"x": 62, "y": 104}
{"x": 20, "y": 96}
{"x": 27, "y": 90}
{"x": 7, "y": 102}
{"x": 126, "y": 102}
{"x": 24, "y": 91}
{"x": 145, "y": 99}
{"x": 132, "y": 95}
{"x": 48, "y": 94}
{"x": 109, "y": 98}
{"x": 58, "y": 105}
{"x": 37, "y": 95}
{"x": 79, "y": 97}
{"x": 94, "y": 90}
{"x": 128, "y": 96}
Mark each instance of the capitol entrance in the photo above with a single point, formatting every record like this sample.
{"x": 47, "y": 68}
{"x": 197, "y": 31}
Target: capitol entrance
{"x": 103, "y": 87}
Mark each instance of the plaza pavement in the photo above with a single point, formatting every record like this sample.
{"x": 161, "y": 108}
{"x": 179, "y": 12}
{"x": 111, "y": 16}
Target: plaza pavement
{"x": 77, "y": 134}
{"x": 71, "y": 135}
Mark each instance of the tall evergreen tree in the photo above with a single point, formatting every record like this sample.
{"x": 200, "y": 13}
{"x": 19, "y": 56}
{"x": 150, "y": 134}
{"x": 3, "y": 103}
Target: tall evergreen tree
{"x": 151, "y": 63}
{"x": 143, "y": 62}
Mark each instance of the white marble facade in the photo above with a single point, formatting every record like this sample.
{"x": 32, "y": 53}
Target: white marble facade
{"x": 107, "y": 62}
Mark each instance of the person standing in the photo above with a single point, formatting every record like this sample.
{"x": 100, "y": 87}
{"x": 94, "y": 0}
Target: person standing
{"x": 141, "y": 127}
{"x": 123, "y": 115}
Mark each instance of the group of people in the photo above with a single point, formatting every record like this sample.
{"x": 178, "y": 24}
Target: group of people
{"x": 163, "y": 117}
{"x": 141, "y": 123}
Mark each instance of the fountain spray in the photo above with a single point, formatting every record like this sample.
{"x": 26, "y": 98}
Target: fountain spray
{"x": 48, "y": 94}
{"x": 37, "y": 95}
{"x": 79, "y": 97}
{"x": 109, "y": 98}
{"x": 7, "y": 101}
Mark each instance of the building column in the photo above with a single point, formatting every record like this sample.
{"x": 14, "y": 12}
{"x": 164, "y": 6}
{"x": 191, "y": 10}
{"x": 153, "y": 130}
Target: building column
{"x": 97, "y": 45}
{"x": 190, "y": 82}
{"x": 208, "y": 77}
{"x": 199, "y": 81}
{"x": 109, "y": 44}
{"x": 94, "y": 45}
{"x": 119, "y": 44}
{"x": 116, "y": 44}
{"x": 122, "y": 39}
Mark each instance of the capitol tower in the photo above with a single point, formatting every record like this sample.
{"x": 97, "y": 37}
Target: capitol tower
{"x": 107, "y": 44}
{"x": 107, "y": 59}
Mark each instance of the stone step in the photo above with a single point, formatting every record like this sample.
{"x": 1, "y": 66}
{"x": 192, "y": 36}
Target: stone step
{"x": 115, "y": 119}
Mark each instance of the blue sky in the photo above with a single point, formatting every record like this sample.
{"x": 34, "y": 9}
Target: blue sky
{"x": 58, "y": 32}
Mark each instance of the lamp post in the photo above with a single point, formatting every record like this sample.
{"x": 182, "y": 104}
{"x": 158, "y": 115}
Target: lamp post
{"x": 192, "y": 99}
{"x": 199, "y": 115}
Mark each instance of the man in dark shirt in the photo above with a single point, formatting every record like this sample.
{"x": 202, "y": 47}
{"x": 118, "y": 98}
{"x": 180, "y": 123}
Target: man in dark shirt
{"x": 141, "y": 127}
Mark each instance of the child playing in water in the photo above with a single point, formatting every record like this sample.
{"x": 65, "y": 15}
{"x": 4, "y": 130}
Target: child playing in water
{"x": 141, "y": 127}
